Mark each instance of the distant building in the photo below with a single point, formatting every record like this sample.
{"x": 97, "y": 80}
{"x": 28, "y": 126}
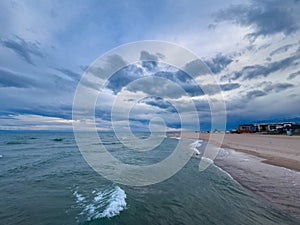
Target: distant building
{"x": 273, "y": 127}
{"x": 246, "y": 128}
{"x": 278, "y": 127}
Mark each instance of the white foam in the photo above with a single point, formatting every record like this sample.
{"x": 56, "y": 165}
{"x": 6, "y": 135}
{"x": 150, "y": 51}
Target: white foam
{"x": 207, "y": 160}
{"x": 196, "y": 144}
{"x": 117, "y": 203}
{"x": 1, "y": 156}
{"x": 107, "y": 203}
{"x": 79, "y": 197}
{"x": 98, "y": 197}
{"x": 196, "y": 151}
{"x": 178, "y": 138}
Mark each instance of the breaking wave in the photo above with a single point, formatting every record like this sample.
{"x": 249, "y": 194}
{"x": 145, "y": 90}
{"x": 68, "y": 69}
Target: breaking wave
{"x": 102, "y": 204}
{"x": 196, "y": 144}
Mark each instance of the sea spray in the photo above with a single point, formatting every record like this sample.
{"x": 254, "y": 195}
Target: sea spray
{"x": 107, "y": 203}
{"x": 117, "y": 203}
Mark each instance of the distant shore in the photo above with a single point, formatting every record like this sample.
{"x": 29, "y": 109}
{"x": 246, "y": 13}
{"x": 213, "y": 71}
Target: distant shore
{"x": 279, "y": 150}
{"x": 268, "y": 165}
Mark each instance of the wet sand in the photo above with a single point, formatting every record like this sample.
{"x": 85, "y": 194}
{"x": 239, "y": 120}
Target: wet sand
{"x": 268, "y": 165}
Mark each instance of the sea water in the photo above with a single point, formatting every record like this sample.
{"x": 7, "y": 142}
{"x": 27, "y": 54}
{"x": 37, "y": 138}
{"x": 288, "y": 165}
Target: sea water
{"x": 45, "y": 180}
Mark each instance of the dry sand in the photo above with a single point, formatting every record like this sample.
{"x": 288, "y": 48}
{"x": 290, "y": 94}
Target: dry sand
{"x": 280, "y": 150}
{"x": 268, "y": 165}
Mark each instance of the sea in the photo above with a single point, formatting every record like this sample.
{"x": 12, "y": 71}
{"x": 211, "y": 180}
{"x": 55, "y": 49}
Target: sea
{"x": 44, "y": 179}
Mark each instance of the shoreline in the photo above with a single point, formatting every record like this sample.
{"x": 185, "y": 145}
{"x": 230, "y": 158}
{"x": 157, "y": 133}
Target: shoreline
{"x": 267, "y": 165}
{"x": 269, "y": 147}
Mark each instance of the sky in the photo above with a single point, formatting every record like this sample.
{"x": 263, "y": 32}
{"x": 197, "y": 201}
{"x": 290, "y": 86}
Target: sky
{"x": 251, "y": 47}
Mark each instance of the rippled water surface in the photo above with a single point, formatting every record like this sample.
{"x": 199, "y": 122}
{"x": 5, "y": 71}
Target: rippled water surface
{"x": 45, "y": 180}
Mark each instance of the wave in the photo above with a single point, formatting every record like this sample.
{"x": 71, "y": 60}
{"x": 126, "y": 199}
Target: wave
{"x": 178, "y": 138}
{"x": 117, "y": 203}
{"x": 58, "y": 139}
{"x": 196, "y": 151}
{"x": 79, "y": 197}
{"x": 225, "y": 172}
{"x": 207, "y": 160}
{"x": 15, "y": 143}
{"x": 110, "y": 143}
{"x": 196, "y": 144}
{"x": 104, "y": 204}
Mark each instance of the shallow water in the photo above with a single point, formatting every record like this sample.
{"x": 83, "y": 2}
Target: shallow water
{"x": 45, "y": 180}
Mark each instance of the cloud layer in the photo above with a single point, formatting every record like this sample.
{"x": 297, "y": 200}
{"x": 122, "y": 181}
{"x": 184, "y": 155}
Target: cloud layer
{"x": 251, "y": 47}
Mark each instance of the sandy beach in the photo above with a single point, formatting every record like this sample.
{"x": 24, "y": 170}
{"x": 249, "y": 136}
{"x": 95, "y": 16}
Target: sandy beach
{"x": 267, "y": 165}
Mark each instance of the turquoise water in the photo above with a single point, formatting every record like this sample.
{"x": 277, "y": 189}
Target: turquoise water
{"x": 45, "y": 180}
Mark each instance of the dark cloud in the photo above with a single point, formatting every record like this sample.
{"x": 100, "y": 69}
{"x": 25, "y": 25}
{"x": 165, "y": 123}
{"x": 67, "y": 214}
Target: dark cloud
{"x": 103, "y": 114}
{"x": 113, "y": 69}
{"x": 157, "y": 87}
{"x": 158, "y": 102}
{"x": 193, "y": 89}
{"x": 282, "y": 86}
{"x": 167, "y": 75}
{"x": 12, "y": 79}
{"x": 24, "y": 49}
{"x": 129, "y": 73}
{"x": 264, "y": 16}
{"x": 46, "y": 111}
{"x": 269, "y": 59}
{"x": 196, "y": 68}
{"x": 256, "y": 71}
{"x": 109, "y": 65}
{"x": 132, "y": 72}
{"x": 202, "y": 106}
{"x": 293, "y": 75}
{"x": 123, "y": 77}
{"x": 211, "y": 89}
{"x": 161, "y": 87}
{"x": 277, "y": 87}
{"x": 218, "y": 63}
{"x": 281, "y": 49}
{"x": 149, "y": 61}
{"x": 255, "y": 94}
{"x": 250, "y": 72}
{"x": 183, "y": 80}
{"x": 230, "y": 86}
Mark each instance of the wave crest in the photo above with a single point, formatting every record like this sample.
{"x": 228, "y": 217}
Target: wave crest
{"x": 104, "y": 204}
